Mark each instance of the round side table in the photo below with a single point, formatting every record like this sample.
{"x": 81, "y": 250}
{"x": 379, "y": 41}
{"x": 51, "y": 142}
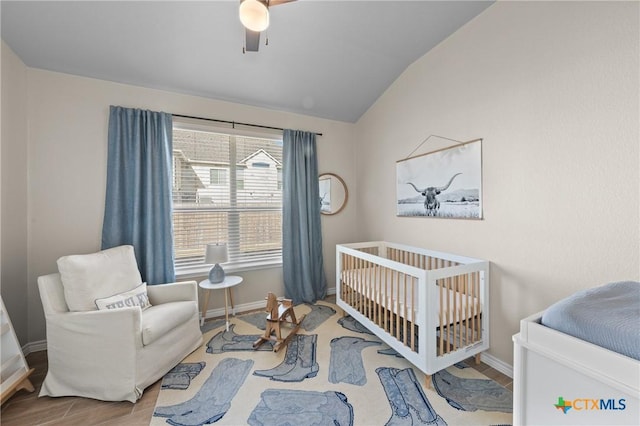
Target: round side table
{"x": 226, "y": 285}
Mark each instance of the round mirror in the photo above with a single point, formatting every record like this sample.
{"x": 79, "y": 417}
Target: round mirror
{"x": 333, "y": 193}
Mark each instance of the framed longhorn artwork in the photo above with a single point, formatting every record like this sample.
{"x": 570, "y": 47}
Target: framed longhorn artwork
{"x": 446, "y": 183}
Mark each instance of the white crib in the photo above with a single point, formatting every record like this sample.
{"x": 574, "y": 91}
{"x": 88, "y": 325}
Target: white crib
{"x": 431, "y": 307}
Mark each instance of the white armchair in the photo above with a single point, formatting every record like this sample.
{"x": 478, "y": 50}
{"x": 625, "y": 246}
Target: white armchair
{"x": 114, "y": 354}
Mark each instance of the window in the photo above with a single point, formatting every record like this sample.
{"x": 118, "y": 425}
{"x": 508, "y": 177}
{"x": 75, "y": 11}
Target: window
{"x": 227, "y": 188}
{"x": 218, "y": 177}
{"x": 240, "y": 178}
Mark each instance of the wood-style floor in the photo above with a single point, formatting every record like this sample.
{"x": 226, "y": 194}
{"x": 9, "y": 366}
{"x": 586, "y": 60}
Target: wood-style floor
{"x": 26, "y": 409}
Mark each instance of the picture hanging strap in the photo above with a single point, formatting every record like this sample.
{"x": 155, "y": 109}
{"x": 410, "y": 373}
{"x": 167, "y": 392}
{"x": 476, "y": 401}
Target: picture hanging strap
{"x": 429, "y": 137}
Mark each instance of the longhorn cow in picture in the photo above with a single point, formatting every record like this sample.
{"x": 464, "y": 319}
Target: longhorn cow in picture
{"x": 431, "y": 203}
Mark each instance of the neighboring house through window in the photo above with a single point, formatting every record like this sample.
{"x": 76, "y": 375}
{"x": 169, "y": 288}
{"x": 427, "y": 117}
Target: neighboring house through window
{"x": 227, "y": 188}
{"x": 218, "y": 177}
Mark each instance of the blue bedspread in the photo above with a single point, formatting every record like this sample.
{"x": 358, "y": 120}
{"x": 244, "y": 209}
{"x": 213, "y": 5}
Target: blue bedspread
{"x": 607, "y": 316}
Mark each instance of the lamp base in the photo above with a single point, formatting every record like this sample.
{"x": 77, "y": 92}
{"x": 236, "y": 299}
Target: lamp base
{"x": 216, "y": 274}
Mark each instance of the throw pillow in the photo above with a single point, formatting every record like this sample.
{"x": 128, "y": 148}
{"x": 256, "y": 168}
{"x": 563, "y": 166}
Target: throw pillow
{"x": 88, "y": 277}
{"x": 136, "y": 297}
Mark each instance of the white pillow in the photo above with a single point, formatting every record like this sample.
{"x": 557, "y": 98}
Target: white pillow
{"x": 136, "y": 297}
{"x": 87, "y": 277}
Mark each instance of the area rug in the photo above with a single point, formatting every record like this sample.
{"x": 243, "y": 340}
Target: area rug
{"x": 334, "y": 372}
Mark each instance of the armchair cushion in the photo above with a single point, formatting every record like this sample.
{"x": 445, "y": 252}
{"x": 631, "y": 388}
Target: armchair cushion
{"x": 88, "y": 277}
{"x": 159, "y": 320}
{"x": 136, "y": 297}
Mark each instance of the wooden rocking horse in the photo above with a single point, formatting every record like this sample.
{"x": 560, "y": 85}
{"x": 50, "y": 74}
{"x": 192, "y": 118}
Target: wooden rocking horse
{"x": 278, "y": 312}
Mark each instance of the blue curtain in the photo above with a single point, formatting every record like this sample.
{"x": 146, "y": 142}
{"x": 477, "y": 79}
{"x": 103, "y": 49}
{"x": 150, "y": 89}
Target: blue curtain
{"x": 138, "y": 200}
{"x": 304, "y": 278}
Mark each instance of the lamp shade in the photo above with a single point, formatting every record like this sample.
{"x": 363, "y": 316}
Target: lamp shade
{"x": 216, "y": 253}
{"x": 254, "y": 15}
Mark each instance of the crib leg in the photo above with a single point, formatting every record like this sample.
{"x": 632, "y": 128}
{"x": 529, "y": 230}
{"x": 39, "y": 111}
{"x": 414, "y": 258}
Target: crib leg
{"x": 427, "y": 381}
{"x": 477, "y": 359}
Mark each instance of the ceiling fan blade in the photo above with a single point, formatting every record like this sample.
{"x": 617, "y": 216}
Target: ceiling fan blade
{"x": 277, "y": 2}
{"x": 252, "y": 40}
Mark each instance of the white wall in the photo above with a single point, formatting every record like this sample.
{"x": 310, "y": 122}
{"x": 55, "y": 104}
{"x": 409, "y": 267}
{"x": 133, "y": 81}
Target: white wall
{"x": 14, "y": 191}
{"x": 552, "y": 87}
{"x": 68, "y": 121}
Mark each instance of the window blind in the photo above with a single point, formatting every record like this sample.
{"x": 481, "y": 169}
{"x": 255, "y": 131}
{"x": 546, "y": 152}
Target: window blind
{"x": 226, "y": 189}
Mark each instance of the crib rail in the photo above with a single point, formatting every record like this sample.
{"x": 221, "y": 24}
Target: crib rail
{"x": 459, "y": 321}
{"x": 419, "y": 260}
{"x": 420, "y": 302}
{"x": 383, "y": 295}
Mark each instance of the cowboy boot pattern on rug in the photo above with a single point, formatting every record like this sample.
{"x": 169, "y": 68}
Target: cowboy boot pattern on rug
{"x": 228, "y": 341}
{"x": 351, "y": 324}
{"x": 299, "y": 361}
{"x": 311, "y": 321}
{"x": 318, "y": 315}
{"x": 256, "y": 319}
{"x": 212, "y": 324}
{"x": 301, "y": 408}
{"x": 345, "y": 364}
{"x": 409, "y": 404}
{"x": 180, "y": 376}
{"x": 287, "y": 364}
{"x": 389, "y": 352}
{"x": 472, "y": 394}
{"x": 213, "y": 399}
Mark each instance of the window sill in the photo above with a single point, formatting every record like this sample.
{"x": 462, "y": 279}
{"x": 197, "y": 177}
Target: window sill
{"x": 203, "y": 270}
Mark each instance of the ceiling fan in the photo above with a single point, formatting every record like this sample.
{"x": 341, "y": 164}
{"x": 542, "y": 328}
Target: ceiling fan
{"x": 254, "y": 15}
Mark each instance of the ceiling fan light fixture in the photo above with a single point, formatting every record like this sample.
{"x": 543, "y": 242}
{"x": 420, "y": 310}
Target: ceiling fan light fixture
{"x": 254, "y": 15}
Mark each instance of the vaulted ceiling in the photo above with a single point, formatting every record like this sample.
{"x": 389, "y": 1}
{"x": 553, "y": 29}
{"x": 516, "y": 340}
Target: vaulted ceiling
{"x": 330, "y": 59}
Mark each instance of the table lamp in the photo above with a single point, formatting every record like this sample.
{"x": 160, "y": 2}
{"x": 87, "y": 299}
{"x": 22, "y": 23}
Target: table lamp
{"x": 216, "y": 254}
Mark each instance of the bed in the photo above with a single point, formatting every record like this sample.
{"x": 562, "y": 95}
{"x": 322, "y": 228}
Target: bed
{"x": 430, "y": 307}
{"x": 578, "y": 363}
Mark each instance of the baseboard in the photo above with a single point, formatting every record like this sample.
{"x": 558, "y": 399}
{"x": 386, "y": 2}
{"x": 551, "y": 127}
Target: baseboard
{"x": 244, "y": 307}
{"x": 40, "y": 345}
{"x": 251, "y": 306}
{"x": 497, "y": 364}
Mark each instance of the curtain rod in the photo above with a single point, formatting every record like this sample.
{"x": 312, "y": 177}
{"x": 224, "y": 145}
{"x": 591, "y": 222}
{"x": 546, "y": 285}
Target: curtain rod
{"x": 233, "y": 123}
